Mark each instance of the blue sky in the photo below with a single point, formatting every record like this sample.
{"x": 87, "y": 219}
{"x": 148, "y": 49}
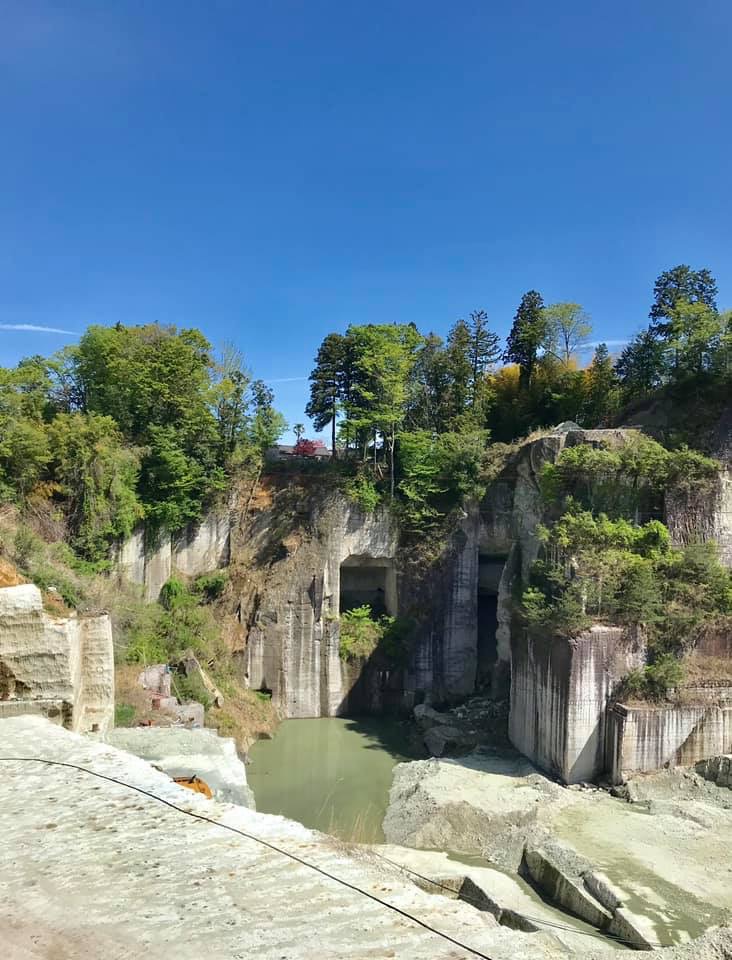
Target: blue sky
{"x": 272, "y": 171}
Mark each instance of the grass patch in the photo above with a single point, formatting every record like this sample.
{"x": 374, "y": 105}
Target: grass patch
{"x": 124, "y": 715}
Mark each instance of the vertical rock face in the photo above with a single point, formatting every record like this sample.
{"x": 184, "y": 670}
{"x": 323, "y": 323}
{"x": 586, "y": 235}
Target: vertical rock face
{"x": 62, "y": 668}
{"x": 695, "y": 519}
{"x": 560, "y": 690}
{"x": 645, "y": 737}
{"x": 149, "y": 562}
{"x": 289, "y": 578}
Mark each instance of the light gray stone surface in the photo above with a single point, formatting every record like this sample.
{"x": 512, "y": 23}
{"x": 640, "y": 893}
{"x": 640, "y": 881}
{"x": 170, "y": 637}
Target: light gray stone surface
{"x": 476, "y": 806}
{"x": 60, "y": 667}
{"x": 93, "y": 869}
{"x": 560, "y": 691}
{"x": 645, "y": 876}
{"x": 187, "y": 753}
{"x": 200, "y": 548}
{"x": 645, "y": 737}
{"x": 508, "y": 898}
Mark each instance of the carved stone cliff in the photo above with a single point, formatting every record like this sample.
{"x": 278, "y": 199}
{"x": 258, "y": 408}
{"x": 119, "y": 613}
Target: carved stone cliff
{"x": 59, "y": 667}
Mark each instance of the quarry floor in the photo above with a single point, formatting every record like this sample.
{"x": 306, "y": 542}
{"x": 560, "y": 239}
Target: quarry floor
{"x": 668, "y": 857}
{"x": 94, "y": 869}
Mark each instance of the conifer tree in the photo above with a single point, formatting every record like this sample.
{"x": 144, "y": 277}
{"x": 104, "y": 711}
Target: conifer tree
{"x": 528, "y": 336}
{"x": 326, "y": 385}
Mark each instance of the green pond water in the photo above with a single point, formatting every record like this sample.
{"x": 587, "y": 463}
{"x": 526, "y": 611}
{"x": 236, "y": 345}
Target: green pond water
{"x": 332, "y": 775}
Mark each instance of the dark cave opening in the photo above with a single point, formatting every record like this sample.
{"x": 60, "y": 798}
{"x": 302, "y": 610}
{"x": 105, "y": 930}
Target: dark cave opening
{"x": 490, "y": 570}
{"x": 368, "y": 580}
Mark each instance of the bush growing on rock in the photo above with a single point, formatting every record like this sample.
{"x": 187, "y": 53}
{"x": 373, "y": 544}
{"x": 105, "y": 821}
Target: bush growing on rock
{"x": 361, "y": 635}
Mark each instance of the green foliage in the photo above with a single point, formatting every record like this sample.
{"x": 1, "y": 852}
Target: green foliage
{"x": 363, "y": 490}
{"x": 529, "y": 335}
{"x": 133, "y": 422}
{"x": 595, "y": 568}
{"x": 681, "y": 284}
{"x": 653, "y": 681}
{"x": 568, "y": 328}
{"x": 210, "y": 586}
{"x": 124, "y": 715}
{"x": 177, "y": 624}
{"x": 26, "y": 546}
{"x": 437, "y": 473}
{"x": 174, "y": 594}
{"x": 626, "y": 480}
{"x": 361, "y": 636}
{"x": 97, "y": 476}
{"x": 329, "y": 384}
{"x": 191, "y": 688}
{"x": 49, "y": 578}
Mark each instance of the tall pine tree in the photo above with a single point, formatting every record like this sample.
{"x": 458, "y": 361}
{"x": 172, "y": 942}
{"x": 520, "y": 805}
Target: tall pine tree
{"x": 484, "y": 349}
{"x": 326, "y": 385}
{"x": 528, "y": 335}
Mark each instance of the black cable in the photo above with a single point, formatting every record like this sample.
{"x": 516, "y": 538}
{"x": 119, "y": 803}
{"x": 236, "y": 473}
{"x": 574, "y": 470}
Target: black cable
{"x": 249, "y": 836}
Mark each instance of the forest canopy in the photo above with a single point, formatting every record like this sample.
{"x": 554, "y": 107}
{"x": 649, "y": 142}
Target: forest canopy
{"x": 134, "y": 422}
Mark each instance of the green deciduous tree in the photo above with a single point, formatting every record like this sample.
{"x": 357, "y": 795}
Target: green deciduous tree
{"x": 384, "y": 356}
{"x": 568, "y": 329}
{"x": 97, "y": 475}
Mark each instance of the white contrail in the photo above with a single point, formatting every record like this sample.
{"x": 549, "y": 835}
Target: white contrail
{"x": 34, "y": 328}
{"x": 283, "y": 379}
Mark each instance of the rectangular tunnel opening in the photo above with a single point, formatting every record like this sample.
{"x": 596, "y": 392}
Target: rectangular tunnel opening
{"x": 490, "y": 570}
{"x": 368, "y": 580}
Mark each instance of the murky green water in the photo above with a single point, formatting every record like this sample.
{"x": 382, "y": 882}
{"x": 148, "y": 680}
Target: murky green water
{"x": 332, "y": 775}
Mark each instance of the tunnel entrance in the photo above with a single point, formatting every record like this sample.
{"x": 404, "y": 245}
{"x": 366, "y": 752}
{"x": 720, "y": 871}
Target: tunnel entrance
{"x": 368, "y": 580}
{"x": 490, "y": 570}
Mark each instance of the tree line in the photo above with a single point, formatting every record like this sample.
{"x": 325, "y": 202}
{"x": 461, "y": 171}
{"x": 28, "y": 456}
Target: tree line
{"x": 135, "y": 422}
{"x": 377, "y": 382}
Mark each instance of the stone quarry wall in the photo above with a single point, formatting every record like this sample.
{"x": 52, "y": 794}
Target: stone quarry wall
{"x": 151, "y": 560}
{"x": 286, "y": 566}
{"x": 704, "y": 517}
{"x": 560, "y": 690}
{"x": 60, "y": 668}
{"x": 286, "y": 569}
{"x": 645, "y": 737}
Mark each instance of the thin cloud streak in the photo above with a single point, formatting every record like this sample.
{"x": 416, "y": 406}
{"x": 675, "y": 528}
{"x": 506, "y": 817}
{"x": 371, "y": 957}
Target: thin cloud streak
{"x": 34, "y": 328}
{"x": 283, "y": 379}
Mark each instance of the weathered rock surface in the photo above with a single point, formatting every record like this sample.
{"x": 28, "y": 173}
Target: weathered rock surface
{"x": 507, "y": 897}
{"x": 717, "y": 769}
{"x": 459, "y": 730}
{"x": 640, "y": 874}
{"x": 560, "y": 691}
{"x": 199, "y": 549}
{"x": 288, "y": 578}
{"x": 187, "y": 753}
{"x": 645, "y": 737}
{"x": 480, "y": 805}
{"x": 59, "y": 667}
{"x": 95, "y": 869}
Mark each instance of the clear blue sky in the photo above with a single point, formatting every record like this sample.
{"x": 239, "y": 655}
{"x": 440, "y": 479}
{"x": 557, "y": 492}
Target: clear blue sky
{"x": 271, "y": 171}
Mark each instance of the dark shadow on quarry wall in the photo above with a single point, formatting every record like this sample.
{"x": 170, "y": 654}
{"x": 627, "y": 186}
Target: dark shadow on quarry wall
{"x": 376, "y": 684}
{"x": 368, "y": 580}
{"x": 490, "y": 569}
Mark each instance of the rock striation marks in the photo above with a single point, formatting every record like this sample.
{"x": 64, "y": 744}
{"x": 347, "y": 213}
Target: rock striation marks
{"x": 58, "y": 667}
